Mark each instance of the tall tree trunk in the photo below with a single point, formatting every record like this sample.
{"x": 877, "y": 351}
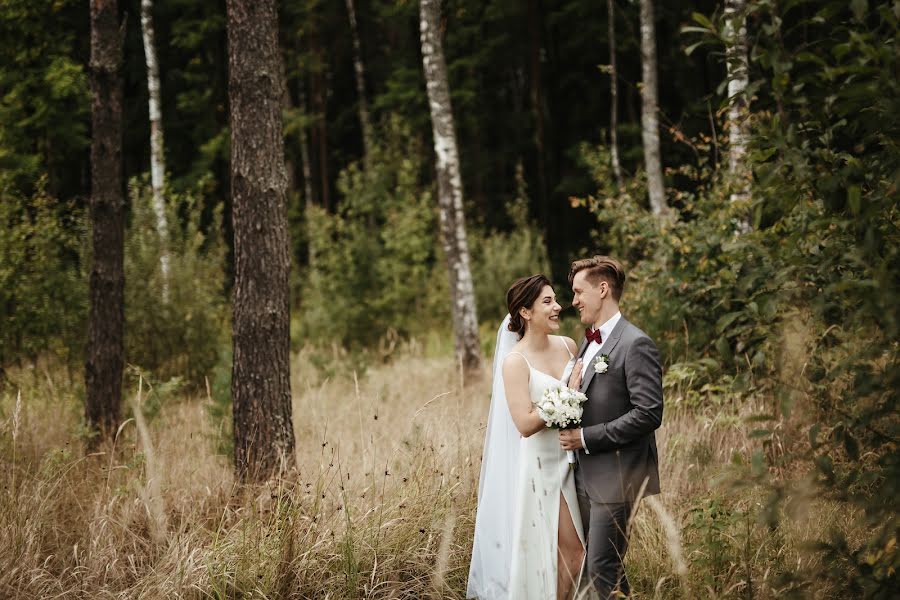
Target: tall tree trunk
{"x": 650, "y": 111}
{"x": 450, "y": 199}
{"x": 287, "y": 105}
{"x": 319, "y": 108}
{"x": 613, "y": 93}
{"x": 309, "y": 198}
{"x": 157, "y": 150}
{"x": 537, "y": 105}
{"x": 105, "y": 360}
{"x": 260, "y": 386}
{"x": 364, "y": 121}
{"x": 738, "y": 103}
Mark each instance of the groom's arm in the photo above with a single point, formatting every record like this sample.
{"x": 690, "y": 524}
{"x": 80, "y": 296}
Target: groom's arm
{"x": 643, "y": 380}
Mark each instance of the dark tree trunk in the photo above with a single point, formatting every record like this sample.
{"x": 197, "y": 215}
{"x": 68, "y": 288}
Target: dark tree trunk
{"x": 105, "y": 351}
{"x": 450, "y": 200}
{"x": 321, "y": 127}
{"x": 260, "y": 386}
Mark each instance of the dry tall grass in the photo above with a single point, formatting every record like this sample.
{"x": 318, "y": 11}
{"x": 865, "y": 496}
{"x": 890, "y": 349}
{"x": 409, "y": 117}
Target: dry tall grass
{"x": 381, "y": 506}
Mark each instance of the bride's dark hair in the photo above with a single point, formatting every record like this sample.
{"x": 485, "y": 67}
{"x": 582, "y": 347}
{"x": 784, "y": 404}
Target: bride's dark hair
{"x": 522, "y": 294}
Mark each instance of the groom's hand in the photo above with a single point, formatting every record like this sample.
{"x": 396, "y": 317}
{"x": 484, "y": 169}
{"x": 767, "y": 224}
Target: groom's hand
{"x": 575, "y": 377}
{"x": 570, "y": 439}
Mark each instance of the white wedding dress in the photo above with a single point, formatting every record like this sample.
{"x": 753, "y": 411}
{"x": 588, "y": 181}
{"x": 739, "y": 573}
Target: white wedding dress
{"x": 514, "y": 554}
{"x": 544, "y": 476}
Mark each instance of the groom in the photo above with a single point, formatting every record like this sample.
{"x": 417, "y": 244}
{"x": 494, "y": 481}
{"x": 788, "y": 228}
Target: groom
{"x": 620, "y": 373}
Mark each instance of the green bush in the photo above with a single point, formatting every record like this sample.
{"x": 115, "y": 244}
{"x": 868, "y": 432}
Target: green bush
{"x": 376, "y": 267}
{"x": 803, "y": 308}
{"x": 371, "y": 260}
{"x": 184, "y": 334}
{"x": 501, "y": 257}
{"x": 43, "y": 294}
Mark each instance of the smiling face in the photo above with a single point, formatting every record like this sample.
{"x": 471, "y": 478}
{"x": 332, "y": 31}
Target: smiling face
{"x": 589, "y": 298}
{"x": 543, "y": 315}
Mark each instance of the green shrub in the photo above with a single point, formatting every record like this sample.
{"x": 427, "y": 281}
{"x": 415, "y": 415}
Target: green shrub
{"x": 43, "y": 291}
{"x": 184, "y": 334}
{"x": 501, "y": 257}
{"x": 803, "y": 308}
{"x": 376, "y": 267}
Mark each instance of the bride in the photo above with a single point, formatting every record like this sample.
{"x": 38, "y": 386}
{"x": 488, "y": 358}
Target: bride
{"x": 529, "y": 541}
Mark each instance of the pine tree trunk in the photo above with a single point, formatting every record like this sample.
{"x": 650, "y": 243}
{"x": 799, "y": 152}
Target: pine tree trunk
{"x": 157, "y": 150}
{"x": 650, "y": 111}
{"x": 738, "y": 103}
{"x": 260, "y": 387}
{"x": 105, "y": 351}
{"x": 450, "y": 200}
{"x": 613, "y": 93}
{"x": 364, "y": 120}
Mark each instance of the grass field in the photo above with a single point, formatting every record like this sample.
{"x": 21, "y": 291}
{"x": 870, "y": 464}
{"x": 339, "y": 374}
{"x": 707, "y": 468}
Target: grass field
{"x": 381, "y": 505}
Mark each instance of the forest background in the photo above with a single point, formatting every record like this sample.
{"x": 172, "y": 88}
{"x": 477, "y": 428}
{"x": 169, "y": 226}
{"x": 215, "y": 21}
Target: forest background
{"x": 770, "y": 287}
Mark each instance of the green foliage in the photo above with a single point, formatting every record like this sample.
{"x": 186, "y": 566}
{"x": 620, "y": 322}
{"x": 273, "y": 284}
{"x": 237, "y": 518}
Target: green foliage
{"x": 44, "y": 96}
{"x": 376, "y": 270}
{"x": 501, "y": 257}
{"x": 43, "y": 296}
{"x": 802, "y": 309}
{"x": 371, "y": 261}
{"x": 181, "y": 335}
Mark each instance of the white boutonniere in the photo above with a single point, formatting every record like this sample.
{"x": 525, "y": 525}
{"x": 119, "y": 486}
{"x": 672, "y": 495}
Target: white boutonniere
{"x": 601, "y": 363}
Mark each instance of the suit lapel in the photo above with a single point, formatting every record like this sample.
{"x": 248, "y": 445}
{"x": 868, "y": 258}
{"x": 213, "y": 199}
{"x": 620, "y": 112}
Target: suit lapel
{"x": 583, "y": 348}
{"x": 606, "y": 348}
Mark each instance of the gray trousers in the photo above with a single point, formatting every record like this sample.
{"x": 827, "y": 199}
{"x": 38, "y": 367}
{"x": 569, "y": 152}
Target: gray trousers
{"x": 605, "y": 529}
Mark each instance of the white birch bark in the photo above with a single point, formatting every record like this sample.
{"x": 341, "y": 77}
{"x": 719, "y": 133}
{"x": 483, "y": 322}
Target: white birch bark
{"x": 157, "y": 151}
{"x": 650, "y": 110}
{"x": 738, "y": 104}
{"x": 613, "y": 93}
{"x": 450, "y": 198}
{"x": 364, "y": 121}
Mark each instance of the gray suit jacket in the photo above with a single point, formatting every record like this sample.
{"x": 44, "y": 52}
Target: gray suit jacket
{"x": 623, "y": 410}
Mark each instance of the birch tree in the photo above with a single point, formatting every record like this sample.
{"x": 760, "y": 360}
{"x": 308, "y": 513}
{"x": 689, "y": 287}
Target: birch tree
{"x": 450, "y": 198}
{"x": 261, "y": 389}
{"x": 735, "y": 34}
{"x": 157, "y": 150}
{"x": 650, "y": 111}
{"x": 105, "y": 347}
{"x": 613, "y": 92}
{"x": 363, "y": 106}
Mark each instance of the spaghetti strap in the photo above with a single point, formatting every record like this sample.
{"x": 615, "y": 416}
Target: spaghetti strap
{"x": 523, "y": 356}
{"x": 571, "y": 356}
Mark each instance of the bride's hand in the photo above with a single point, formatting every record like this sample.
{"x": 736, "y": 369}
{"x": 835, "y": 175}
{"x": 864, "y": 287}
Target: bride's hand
{"x": 575, "y": 377}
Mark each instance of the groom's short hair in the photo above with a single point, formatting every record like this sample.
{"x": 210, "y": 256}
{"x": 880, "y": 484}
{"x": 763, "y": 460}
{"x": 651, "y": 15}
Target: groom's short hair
{"x": 601, "y": 268}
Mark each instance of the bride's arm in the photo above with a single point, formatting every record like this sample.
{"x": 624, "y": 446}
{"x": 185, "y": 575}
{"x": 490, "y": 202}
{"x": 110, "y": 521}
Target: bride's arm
{"x": 515, "y": 381}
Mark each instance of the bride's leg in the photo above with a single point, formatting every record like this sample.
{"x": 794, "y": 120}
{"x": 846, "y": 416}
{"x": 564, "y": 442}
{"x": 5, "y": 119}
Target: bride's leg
{"x": 570, "y": 553}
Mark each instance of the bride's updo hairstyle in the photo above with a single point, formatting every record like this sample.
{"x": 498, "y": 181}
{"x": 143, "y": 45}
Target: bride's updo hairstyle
{"x": 522, "y": 294}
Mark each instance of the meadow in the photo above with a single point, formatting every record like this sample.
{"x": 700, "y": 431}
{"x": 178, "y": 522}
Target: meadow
{"x": 381, "y": 504}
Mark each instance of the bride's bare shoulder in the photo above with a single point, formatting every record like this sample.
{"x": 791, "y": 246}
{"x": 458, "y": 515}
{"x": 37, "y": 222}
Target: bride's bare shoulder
{"x": 570, "y": 344}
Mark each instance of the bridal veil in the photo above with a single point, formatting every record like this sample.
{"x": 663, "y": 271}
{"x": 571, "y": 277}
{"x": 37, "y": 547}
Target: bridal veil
{"x": 492, "y": 547}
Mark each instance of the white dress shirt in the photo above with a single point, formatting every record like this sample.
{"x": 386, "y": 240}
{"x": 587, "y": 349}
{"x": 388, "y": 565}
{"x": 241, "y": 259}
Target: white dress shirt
{"x": 592, "y": 350}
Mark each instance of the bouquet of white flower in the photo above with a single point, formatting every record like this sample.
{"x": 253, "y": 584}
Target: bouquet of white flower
{"x": 560, "y": 408}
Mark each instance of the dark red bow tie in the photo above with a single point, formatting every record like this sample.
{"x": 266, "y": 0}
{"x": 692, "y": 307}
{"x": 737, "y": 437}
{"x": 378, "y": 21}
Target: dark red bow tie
{"x": 593, "y": 335}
